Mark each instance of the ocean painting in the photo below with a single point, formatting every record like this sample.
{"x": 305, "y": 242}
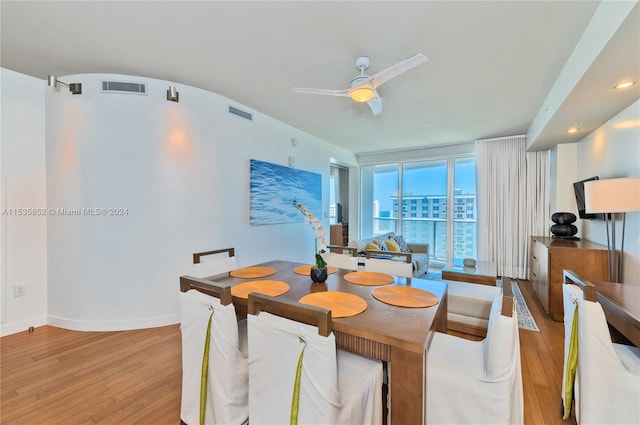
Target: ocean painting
{"x": 273, "y": 189}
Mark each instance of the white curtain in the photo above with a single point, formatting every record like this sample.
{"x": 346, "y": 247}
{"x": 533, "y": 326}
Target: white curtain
{"x": 513, "y": 202}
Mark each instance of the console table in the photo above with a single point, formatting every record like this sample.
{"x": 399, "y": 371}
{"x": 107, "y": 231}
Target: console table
{"x": 548, "y": 257}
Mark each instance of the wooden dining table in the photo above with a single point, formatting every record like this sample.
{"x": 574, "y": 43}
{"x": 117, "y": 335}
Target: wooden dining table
{"x": 399, "y": 336}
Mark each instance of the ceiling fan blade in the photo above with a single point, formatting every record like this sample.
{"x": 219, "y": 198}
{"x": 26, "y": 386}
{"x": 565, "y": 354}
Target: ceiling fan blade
{"x": 375, "y": 104}
{"x": 321, "y": 91}
{"x": 394, "y": 70}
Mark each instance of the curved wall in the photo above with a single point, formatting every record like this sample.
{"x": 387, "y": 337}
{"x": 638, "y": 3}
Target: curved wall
{"x": 175, "y": 176}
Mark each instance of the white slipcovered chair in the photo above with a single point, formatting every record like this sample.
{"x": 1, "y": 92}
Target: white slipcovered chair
{"x": 341, "y": 261}
{"x": 218, "y": 261}
{"x": 606, "y": 389}
{"x": 214, "y": 262}
{"x": 207, "y": 313}
{"x": 389, "y": 266}
{"x": 292, "y": 346}
{"x": 469, "y": 306}
{"x": 478, "y": 382}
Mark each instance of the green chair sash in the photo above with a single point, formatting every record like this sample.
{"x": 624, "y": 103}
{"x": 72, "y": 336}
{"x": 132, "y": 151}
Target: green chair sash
{"x": 295, "y": 402}
{"x": 572, "y": 364}
{"x": 205, "y": 370}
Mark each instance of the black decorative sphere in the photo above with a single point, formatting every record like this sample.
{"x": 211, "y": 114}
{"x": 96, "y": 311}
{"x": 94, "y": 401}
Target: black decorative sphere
{"x": 564, "y": 230}
{"x": 563, "y": 218}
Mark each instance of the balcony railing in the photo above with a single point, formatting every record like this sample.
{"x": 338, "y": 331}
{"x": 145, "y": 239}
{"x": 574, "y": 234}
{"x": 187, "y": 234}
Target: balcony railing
{"x": 433, "y": 231}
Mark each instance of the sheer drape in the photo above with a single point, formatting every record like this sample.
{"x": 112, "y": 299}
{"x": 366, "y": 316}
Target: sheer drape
{"x": 513, "y": 202}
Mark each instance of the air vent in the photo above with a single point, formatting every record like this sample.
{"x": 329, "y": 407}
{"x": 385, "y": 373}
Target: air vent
{"x": 124, "y": 87}
{"x": 240, "y": 113}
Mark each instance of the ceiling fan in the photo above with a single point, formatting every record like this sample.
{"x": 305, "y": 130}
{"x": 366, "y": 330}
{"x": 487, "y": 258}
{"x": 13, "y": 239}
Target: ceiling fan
{"x": 364, "y": 87}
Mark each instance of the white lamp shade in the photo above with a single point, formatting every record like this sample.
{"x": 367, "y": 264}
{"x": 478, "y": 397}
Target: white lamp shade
{"x": 612, "y": 195}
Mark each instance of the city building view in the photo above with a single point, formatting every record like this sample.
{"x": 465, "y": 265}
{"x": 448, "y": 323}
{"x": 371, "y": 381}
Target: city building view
{"x": 424, "y": 220}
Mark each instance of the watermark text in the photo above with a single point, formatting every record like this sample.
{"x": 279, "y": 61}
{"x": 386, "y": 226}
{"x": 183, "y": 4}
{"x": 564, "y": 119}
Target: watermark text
{"x": 83, "y": 212}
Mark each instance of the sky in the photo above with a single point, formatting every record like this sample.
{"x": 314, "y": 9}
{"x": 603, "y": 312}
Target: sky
{"x": 423, "y": 180}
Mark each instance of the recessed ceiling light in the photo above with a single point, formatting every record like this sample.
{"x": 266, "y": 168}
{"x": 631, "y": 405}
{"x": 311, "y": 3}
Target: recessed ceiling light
{"x": 624, "y": 85}
{"x": 575, "y": 128}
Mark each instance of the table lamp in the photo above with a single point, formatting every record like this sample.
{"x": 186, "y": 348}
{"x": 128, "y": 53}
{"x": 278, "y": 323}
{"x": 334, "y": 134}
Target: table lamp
{"x": 613, "y": 196}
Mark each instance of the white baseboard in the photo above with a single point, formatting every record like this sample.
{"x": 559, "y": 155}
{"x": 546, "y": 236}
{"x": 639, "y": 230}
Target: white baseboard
{"x": 114, "y": 325}
{"x": 21, "y": 326}
{"x": 79, "y": 325}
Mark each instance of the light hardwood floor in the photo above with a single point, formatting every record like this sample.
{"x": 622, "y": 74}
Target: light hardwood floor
{"x": 56, "y": 376}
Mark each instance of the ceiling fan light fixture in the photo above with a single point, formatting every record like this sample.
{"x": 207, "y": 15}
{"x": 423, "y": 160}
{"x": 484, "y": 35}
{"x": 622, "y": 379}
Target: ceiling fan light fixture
{"x": 363, "y": 87}
{"x": 362, "y": 94}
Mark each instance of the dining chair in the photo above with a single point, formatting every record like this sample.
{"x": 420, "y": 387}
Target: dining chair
{"x": 341, "y": 261}
{"x": 214, "y": 368}
{"x": 218, "y": 261}
{"x": 296, "y": 374}
{"x": 390, "y": 266}
{"x": 478, "y": 382}
{"x": 606, "y": 388}
{"x": 209, "y": 263}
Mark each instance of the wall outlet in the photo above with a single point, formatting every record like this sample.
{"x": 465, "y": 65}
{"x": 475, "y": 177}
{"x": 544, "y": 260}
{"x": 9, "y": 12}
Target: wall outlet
{"x": 19, "y": 290}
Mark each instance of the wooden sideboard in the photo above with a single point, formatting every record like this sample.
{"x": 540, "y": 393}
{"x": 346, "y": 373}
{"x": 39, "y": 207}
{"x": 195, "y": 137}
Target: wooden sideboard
{"x": 548, "y": 258}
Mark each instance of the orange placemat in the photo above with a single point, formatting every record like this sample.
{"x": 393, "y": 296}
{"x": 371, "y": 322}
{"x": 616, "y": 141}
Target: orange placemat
{"x": 369, "y": 278}
{"x": 405, "y": 296}
{"x": 341, "y": 304}
{"x": 306, "y": 270}
{"x": 253, "y": 272}
{"x": 267, "y": 287}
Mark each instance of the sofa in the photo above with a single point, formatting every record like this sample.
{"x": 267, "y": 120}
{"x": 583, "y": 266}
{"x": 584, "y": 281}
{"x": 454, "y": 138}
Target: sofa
{"x": 417, "y": 254}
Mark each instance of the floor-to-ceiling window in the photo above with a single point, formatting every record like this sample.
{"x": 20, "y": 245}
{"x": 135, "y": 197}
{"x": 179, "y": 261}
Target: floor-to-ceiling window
{"x": 379, "y": 187}
{"x": 424, "y": 204}
{"x": 465, "y": 210}
{"x": 429, "y": 201}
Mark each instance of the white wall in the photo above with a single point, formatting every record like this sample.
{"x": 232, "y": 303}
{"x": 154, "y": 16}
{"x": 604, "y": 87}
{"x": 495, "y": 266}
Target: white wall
{"x": 563, "y": 166}
{"x": 613, "y": 150}
{"x": 181, "y": 171}
{"x": 22, "y": 150}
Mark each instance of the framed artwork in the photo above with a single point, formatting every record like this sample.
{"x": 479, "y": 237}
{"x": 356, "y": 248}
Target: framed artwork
{"x": 273, "y": 189}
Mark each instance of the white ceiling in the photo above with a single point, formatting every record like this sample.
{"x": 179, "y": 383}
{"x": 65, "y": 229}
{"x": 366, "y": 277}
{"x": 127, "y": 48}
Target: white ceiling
{"x": 491, "y": 64}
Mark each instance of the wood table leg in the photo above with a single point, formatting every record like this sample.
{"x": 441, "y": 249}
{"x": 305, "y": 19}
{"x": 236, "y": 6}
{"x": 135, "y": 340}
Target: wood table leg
{"x": 408, "y": 374}
{"x": 407, "y": 387}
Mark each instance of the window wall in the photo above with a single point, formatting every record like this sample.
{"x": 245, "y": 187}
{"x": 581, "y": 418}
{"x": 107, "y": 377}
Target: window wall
{"x": 379, "y": 187}
{"x": 465, "y": 208}
{"x": 429, "y": 201}
{"x": 424, "y": 204}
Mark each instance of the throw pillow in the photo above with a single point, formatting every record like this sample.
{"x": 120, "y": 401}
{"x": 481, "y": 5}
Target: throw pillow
{"x": 401, "y": 243}
{"x": 392, "y": 245}
{"x": 372, "y": 247}
{"x": 382, "y": 245}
